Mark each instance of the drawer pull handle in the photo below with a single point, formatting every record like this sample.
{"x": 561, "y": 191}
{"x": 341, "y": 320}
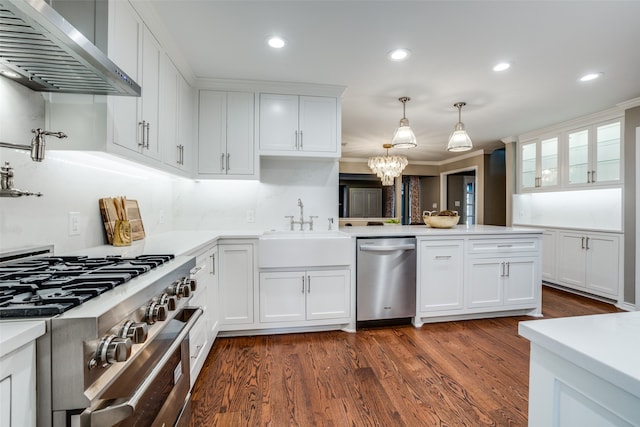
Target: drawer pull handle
{"x": 505, "y": 246}
{"x": 443, "y": 256}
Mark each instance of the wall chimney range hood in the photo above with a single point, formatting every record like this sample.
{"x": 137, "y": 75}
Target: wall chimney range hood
{"x": 49, "y": 55}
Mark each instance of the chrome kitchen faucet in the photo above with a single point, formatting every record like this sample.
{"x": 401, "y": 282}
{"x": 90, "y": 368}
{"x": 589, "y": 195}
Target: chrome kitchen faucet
{"x": 302, "y": 222}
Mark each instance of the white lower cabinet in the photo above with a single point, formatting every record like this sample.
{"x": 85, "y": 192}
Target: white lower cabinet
{"x": 497, "y": 282}
{"x": 590, "y": 262}
{"x": 205, "y": 296}
{"x": 549, "y": 258}
{"x": 290, "y": 296}
{"x": 236, "y": 266}
{"x": 18, "y": 387}
{"x": 441, "y": 279}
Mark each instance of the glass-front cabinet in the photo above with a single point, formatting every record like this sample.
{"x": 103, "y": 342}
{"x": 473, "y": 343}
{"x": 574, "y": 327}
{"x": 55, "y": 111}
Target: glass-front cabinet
{"x": 539, "y": 164}
{"x": 593, "y": 154}
{"x": 572, "y": 157}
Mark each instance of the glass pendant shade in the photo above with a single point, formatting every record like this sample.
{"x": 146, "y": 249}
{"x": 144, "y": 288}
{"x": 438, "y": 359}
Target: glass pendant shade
{"x": 386, "y": 167}
{"x": 459, "y": 139}
{"x": 404, "y": 136}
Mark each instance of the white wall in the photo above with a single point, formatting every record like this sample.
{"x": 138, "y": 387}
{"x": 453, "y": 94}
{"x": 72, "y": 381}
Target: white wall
{"x": 74, "y": 181}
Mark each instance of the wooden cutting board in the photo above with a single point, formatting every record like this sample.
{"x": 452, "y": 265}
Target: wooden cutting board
{"x": 110, "y": 215}
{"x": 133, "y": 213}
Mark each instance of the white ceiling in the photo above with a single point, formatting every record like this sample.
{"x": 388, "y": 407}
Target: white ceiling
{"x": 454, "y": 46}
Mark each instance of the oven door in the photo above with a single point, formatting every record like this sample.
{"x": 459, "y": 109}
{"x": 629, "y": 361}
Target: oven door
{"x": 154, "y": 388}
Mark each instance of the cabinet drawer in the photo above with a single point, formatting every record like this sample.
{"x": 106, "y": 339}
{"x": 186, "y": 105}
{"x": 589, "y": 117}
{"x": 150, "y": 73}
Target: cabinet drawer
{"x": 502, "y": 246}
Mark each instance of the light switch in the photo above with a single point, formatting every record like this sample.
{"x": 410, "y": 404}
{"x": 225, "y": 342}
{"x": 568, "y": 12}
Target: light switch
{"x": 456, "y": 203}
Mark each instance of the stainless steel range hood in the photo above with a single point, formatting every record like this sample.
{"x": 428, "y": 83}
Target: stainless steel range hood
{"x": 50, "y": 55}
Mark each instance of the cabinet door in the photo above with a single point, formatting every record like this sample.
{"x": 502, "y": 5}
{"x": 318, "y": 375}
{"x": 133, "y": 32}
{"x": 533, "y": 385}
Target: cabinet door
{"x": 549, "y": 255}
{"x": 151, "y": 60}
{"x": 441, "y": 275}
{"x": 125, "y": 49}
{"x": 528, "y": 165}
{"x": 328, "y": 294}
{"x": 485, "y": 282}
{"x": 213, "y": 296}
{"x": 239, "y": 144}
{"x": 520, "y": 280}
{"x": 578, "y": 169}
{"x": 169, "y": 113}
{"x": 606, "y": 161}
{"x": 572, "y": 260}
{"x": 186, "y": 123}
{"x": 212, "y": 132}
{"x": 236, "y": 283}
{"x": 282, "y": 296}
{"x": 278, "y": 122}
{"x": 602, "y": 263}
{"x": 318, "y": 124}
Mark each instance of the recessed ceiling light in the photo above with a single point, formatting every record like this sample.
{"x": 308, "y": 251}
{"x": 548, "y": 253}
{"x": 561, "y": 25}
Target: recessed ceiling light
{"x": 399, "y": 54}
{"x": 502, "y": 66}
{"x": 10, "y": 74}
{"x": 276, "y": 42}
{"x": 589, "y": 77}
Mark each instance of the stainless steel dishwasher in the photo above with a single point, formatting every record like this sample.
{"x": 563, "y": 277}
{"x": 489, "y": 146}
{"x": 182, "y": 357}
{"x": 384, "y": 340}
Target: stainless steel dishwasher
{"x": 386, "y": 278}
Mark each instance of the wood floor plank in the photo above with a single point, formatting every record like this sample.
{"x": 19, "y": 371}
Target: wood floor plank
{"x": 465, "y": 373}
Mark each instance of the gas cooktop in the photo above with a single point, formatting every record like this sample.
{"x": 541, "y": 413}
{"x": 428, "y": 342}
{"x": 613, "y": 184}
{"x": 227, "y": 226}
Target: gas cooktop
{"x": 48, "y": 286}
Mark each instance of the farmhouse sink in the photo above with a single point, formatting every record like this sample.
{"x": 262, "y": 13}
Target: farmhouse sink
{"x": 285, "y": 249}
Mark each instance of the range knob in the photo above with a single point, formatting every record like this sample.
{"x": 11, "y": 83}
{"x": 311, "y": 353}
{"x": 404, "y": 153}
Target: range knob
{"x": 193, "y": 283}
{"x": 155, "y": 312}
{"x": 136, "y": 332}
{"x": 169, "y": 300}
{"x": 180, "y": 289}
{"x": 112, "y": 349}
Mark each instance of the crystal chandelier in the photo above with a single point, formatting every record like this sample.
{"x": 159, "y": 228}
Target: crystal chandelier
{"x": 386, "y": 167}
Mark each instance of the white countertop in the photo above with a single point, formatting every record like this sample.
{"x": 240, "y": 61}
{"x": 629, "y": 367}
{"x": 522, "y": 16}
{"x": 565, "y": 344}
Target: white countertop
{"x": 14, "y": 335}
{"x": 607, "y": 345}
{"x": 424, "y": 230}
{"x": 174, "y": 242}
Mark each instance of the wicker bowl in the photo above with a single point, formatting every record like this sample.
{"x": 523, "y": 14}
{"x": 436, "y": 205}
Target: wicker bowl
{"x": 441, "y": 221}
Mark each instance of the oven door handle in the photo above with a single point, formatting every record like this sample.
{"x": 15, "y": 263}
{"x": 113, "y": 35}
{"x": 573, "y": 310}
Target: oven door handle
{"x": 121, "y": 411}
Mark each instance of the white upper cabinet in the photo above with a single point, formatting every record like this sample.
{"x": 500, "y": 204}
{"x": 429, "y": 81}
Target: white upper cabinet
{"x": 539, "y": 164}
{"x": 136, "y": 121}
{"x": 176, "y": 118}
{"x": 593, "y": 154}
{"x": 225, "y": 135}
{"x": 583, "y": 153}
{"x": 299, "y": 126}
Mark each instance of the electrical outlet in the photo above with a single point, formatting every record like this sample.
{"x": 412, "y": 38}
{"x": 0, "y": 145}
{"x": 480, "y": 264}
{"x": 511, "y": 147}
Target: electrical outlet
{"x": 74, "y": 223}
{"x": 251, "y": 215}
{"x": 456, "y": 203}
{"x": 161, "y": 216}
{"x": 434, "y": 206}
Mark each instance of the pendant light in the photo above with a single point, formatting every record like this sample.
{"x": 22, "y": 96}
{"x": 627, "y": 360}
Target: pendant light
{"x": 459, "y": 140}
{"x": 386, "y": 167}
{"x": 404, "y": 137}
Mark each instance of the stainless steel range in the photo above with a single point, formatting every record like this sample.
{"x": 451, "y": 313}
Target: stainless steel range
{"x": 116, "y": 347}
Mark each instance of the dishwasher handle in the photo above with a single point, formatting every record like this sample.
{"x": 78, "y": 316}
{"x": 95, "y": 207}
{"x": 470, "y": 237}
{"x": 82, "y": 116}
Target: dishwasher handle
{"x": 387, "y": 248}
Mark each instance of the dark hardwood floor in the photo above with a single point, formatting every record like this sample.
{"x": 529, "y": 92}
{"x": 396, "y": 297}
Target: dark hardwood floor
{"x": 466, "y": 373}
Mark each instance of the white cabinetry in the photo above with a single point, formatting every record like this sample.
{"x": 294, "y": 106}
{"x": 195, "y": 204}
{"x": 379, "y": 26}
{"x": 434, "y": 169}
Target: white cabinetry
{"x": 590, "y": 262}
{"x": 176, "y": 118}
{"x": 205, "y": 330}
{"x": 287, "y": 296}
{"x": 225, "y": 134}
{"x": 581, "y": 153}
{"x": 125, "y": 125}
{"x": 18, "y": 387}
{"x": 440, "y": 274}
{"x": 539, "y": 164}
{"x": 136, "y": 121}
{"x": 549, "y": 258}
{"x": 593, "y": 154}
{"x": 503, "y": 273}
{"x": 293, "y": 125}
{"x": 236, "y": 271}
